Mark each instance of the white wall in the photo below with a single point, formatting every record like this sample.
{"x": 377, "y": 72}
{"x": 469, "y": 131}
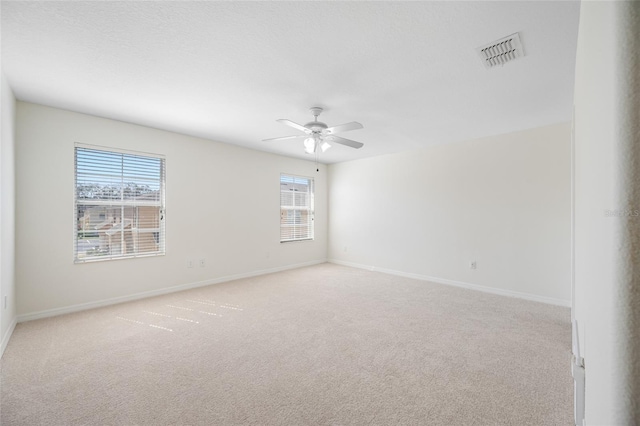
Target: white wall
{"x": 502, "y": 201}
{"x": 7, "y": 213}
{"x": 222, "y": 205}
{"x": 607, "y": 205}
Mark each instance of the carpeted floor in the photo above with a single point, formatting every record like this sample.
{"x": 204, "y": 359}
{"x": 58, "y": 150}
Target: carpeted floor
{"x": 323, "y": 345}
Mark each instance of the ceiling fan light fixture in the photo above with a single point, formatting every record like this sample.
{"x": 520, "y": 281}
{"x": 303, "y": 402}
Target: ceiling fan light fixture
{"x": 325, "y": 146}
{"x": 309, "y": 145}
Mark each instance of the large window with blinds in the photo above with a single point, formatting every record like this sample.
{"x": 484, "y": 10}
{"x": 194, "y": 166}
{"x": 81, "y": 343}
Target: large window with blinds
{"x": 119, "y": 204}
{"x": 296, "y": 208}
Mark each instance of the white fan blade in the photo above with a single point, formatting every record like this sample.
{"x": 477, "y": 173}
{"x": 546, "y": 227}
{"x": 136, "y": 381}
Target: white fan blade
{"x": 354, "y": 125}
{"x": 347, "y": 142}
{"x": 294, "y": 125}
{"x": 284, "y": 138}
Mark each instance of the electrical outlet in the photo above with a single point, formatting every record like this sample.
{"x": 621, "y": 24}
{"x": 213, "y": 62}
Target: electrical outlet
{"x": 189, "y": 263}
{"x": 201, "y": 263}
{"x": 473, "y": 265}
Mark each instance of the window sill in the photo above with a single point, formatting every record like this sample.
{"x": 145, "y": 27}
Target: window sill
{"x": 107, "y": 258}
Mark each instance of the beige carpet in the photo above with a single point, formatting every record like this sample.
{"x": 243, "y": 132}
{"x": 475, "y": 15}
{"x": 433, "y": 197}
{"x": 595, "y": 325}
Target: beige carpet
{"x": 323, "y": 345}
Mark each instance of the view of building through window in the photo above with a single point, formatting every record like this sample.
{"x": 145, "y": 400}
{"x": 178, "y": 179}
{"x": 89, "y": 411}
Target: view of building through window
{"x": 119, "y": 204}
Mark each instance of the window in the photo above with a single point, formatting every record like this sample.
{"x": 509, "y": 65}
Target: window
{"x": 119, "y": 204}
{"x": 296, "y": 208}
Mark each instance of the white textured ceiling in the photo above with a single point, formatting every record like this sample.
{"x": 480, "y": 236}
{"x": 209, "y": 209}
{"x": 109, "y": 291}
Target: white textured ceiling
{"x": 408, "y": 71}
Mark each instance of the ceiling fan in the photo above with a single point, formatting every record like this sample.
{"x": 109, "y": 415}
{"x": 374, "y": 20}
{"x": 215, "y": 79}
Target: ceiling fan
{"x": 317, "y": 134}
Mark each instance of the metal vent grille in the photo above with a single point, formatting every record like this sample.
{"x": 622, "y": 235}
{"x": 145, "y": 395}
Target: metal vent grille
{"x": 501, "y": 51}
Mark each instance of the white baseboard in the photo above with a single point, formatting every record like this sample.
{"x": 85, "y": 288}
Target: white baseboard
{"x": 115, "y": 300}
{"x": 7, "y": 335}
{"x": 112, "y": 301}
{"x": 499, "y": 291}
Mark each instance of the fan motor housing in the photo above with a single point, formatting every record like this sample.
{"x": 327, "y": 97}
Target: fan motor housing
{"x": 316, "y": 126}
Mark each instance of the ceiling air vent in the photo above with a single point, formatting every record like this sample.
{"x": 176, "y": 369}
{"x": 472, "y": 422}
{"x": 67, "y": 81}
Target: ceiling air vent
{"x": 501, "y": 51}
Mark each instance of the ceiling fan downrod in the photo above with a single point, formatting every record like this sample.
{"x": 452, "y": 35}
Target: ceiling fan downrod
{"x": 316, "y": 111}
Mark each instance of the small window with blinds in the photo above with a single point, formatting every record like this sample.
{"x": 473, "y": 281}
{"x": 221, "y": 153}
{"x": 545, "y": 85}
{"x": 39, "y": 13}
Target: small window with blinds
{"x": 296, "y": 208}
{"x": 119, "y": 204}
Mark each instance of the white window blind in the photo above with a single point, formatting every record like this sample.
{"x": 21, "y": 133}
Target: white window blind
{"x": 296, "y": 208}
{"x": 119, "y": 204}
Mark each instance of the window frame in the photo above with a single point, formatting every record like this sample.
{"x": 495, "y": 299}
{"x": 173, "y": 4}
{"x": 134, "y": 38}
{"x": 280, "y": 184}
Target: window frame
{"x": 310, "y": 209}
{"x": 121, "y": 204}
